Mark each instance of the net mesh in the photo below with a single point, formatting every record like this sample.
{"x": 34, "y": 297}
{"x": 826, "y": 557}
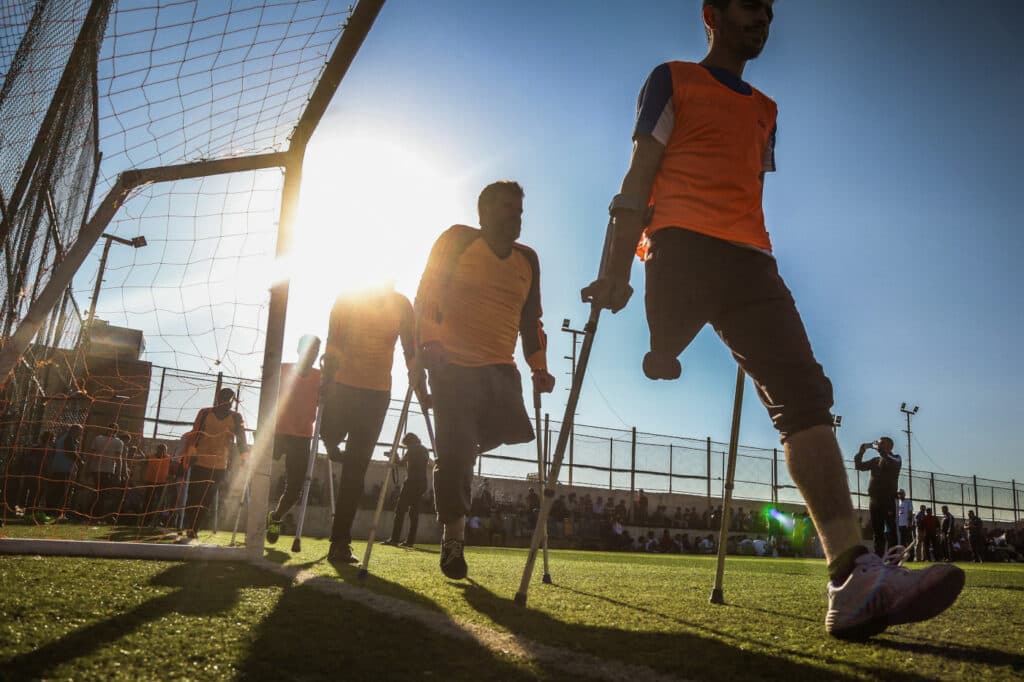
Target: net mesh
{"x": 93, "y": 89}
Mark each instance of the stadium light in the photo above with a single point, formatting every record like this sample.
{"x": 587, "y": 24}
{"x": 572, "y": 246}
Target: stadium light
{"x": 910, "y": 461}
{"x": 135, "y": 242}
{"x": 576, "y": 333}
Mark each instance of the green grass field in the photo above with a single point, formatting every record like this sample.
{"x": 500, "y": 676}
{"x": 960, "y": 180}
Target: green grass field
{"x": 92, "y": 619}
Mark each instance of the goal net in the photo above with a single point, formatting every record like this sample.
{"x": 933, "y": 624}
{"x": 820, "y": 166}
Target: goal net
{"x": 151, "y": 155}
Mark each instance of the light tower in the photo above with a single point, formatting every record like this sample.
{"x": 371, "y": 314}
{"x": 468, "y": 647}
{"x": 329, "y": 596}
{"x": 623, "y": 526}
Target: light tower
{"x": 910, "y": 462}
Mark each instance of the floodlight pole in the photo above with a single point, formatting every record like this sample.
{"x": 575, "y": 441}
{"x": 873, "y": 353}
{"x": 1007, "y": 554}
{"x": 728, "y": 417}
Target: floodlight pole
{"x": 910, "y": 461}
{"x": 137, "y": 242}
{"x": 572, "y": 426}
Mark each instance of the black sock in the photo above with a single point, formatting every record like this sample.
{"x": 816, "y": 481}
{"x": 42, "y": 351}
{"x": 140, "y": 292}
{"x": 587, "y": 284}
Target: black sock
{"x": 842, "y": 566}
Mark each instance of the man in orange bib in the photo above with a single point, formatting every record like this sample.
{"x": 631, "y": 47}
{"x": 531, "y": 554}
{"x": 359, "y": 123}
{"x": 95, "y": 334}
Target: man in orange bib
{"x": 357, "y": 375}
{"x": 216, "y": 428}
{"x": 703, "y": 141}
{"x": 479, "y": 292}
{"x": 296, "y": 411}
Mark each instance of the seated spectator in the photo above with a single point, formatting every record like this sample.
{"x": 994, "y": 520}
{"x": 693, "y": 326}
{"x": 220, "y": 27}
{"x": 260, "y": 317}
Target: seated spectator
{"x": 707, "y": 544}
{"x": 666, "y": 545}
{"x": 760, "y": 546}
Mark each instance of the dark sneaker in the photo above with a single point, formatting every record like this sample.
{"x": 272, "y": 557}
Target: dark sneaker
{"x": 341, "y": 553}
{"x": 388, "y": 542}
{"x": 273, "y": 528}
{"x": 453, "y": 560}
{"x": 407, "y": 543}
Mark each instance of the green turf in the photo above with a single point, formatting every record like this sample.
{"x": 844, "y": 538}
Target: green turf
{"x": 640, "y": 609}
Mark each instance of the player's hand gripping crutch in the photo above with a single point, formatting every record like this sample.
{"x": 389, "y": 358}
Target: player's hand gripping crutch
{"x": 540, "y": 474}
{"x": 304, "y": 501}
{"x": 589, "y": 330}
{"x": 414, "y": 377}
{"x": 727, "y": 485}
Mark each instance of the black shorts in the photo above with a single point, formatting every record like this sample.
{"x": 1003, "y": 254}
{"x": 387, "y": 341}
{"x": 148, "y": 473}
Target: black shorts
{"x": 479, "y": 408}
{"x": 355, "y": 415}
{"x": 289, "y": 446}
{"x": 693, "y": 280}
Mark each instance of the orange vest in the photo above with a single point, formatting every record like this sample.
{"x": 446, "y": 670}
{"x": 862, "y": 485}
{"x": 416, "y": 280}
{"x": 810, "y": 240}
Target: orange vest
{"x": 362, "y": 338}
{"x": 214, "y": 438}
{"x": 296, "y": 402}
{"x": 710, "y": 175}
{"x": 157, "y": 469}
{"x": 472, "y": 301}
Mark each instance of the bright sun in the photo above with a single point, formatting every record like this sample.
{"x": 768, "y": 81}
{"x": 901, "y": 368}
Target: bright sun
{"x": 369, "y": 212}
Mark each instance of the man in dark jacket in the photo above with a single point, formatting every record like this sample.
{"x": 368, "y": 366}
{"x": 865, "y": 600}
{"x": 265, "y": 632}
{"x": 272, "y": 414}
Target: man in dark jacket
{"x": 882, "y": 487}
{"x": 415, "y": 460}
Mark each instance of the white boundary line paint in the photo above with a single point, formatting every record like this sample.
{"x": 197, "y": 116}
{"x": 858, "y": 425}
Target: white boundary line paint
{"x": 583, "y": 665}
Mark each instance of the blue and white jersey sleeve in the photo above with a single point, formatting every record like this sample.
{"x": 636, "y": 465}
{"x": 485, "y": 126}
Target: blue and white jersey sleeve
{"x": 655, "y": 112}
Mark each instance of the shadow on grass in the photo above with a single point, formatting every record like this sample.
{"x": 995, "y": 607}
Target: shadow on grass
{"x": 200, "y": 589}
{"x": 677, "y": 653}
{"x": 349, "y": 573}
{"x": 953, "y": 651}
{"x": 313, "y": 635}
{"x": 658, "y": 614}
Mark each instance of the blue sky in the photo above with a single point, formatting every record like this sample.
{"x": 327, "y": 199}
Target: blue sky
{"x": 893, "y": 212}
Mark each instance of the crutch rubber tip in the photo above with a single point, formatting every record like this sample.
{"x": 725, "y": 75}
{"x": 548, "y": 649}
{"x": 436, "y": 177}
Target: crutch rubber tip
{"x": 296, "y": 546}
{"x": 546, "y": 579}
{"x": 661, "y": 365}
{"x": 716, "y": 596}
{"x": 363, "y": 573}
{"x": 520, "y": 599}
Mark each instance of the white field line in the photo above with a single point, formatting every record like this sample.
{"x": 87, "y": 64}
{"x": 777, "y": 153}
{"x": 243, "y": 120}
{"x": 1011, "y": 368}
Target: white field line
{"x": 583, "y": 665}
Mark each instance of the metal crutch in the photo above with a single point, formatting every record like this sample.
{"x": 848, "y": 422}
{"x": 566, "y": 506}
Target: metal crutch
{"x": 540, "y": 476}
{"x": 727, "y": 485}
{"x": 304, "y": 501}
{"x": 363, "y": 571}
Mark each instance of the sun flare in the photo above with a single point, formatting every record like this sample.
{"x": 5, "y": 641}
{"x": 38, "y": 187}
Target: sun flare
{"x": 368, "y": 214}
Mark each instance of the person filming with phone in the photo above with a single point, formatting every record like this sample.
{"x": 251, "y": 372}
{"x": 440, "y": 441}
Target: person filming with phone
{"x": 882, "y": 489}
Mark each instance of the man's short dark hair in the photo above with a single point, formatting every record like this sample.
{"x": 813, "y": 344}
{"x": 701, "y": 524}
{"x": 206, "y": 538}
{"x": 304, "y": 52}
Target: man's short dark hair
{"x": 720, "y": 5}
{"x": 225, "y": 395}
{"x": 491, "y": 191}
{"x": 888, "y": 440}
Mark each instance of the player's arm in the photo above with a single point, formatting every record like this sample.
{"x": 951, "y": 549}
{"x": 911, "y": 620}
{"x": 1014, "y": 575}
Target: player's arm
{"x": 531, "y": 329}
{"x": 240, "y": 438}
{"x": 429, "y": 300}
{"x": 629, "y": 209}
{"x": 407, "y": 331}
{"x": 629, "y": 221}
{"x": 335, "y": 340}
{"x": 407, "y": 337}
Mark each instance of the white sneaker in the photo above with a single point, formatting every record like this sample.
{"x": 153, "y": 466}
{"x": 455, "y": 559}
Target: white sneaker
{"x": 882, "y": 592}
